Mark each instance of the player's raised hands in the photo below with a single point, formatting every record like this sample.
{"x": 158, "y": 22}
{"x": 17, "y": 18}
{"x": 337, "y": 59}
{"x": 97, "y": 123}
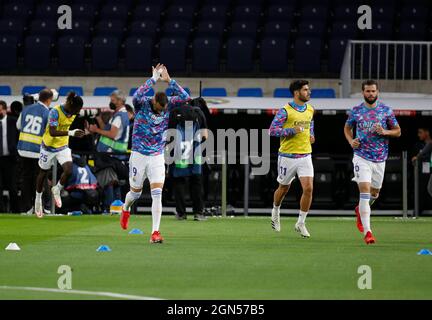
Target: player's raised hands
{"x": 157, "y": 71}
{"x": 165, "y": 75}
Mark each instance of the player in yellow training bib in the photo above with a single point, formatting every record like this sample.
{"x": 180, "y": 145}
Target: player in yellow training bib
{"x": 55, "y": 144}
{"x": 294, "y": 125}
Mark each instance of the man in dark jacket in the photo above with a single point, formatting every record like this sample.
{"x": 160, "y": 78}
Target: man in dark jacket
{"x": 181, "y": 171}
{"x": 8, "y": 159}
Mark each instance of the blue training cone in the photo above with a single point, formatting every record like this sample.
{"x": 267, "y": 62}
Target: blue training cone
{"x": 136, "y": 231}
{"x": 424, "y": 252}
{"x": 103, "y": 248}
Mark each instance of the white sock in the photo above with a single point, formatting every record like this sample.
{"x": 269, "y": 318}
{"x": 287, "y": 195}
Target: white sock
{"x": 38, "y": 196}
{"x": 156, "y": 195}
{"x": 131, "y": 197}
{"x": 365, "y": 211}
{"x": 59, "y": 185}
{"x": 302, "y": 217}
{"x": 275, "y": 210}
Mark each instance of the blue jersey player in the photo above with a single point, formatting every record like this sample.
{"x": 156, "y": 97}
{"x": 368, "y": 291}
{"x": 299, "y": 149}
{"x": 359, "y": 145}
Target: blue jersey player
{"x": 374, "y": 123}
{"x": 148, "y": 143}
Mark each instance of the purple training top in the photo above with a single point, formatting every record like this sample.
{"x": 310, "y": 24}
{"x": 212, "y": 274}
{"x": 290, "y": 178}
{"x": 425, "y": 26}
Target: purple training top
{"x": 373, "y": 147}
{"x": 149, "y": 127}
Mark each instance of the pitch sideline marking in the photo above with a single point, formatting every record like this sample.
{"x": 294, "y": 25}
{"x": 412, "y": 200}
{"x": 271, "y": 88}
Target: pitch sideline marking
{"x": 89, "y": 293}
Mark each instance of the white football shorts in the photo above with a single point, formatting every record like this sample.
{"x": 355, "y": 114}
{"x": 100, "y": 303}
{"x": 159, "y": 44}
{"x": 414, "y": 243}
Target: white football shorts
{"x": 142, "y": 167}
{"x": 368, "y": 171}
{"x": 46, "y": 157}
{"x": 288, "y": 168}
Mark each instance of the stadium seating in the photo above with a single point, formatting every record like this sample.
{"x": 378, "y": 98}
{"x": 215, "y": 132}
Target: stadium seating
{"x": 110, "y": 28}
{"x": 343, "y": 29}
{"x": 177, "y": 28}
{"x": 71, "y": 52}
{"x": 80, "y": 28}
{"x": 8, "y": 49}
{"x": 178, "y": 12}
{"x": 46, "y": 10}
{"x": 173, "y": 49}
{"x": 282, "y": 93}
{"x": 210, "y": 28}
{"x": 31, "y": 89}
{"x": 5, "y": 90}
{"x": 213, "y": 12}
{"x": 323, "y": 93}
{"x": 311, "y": 28}
{"x": 37, "y": 52}
{"x": 103, "y": 91}
{"x": 12, "y": 28}
{"x": 280, "y": 12}
{"x": 147, "y": 12}
{"x": 250, "y": 92}
{"x": 240, "y": 54}
{"x": 83, "y": 11}
{"x": 314, "y": 12}
{"x": 222, "y": 22}
{"x": 244, "y": 28}
{"x": 247, "y": 13}
{"x": 206, "y": 54}
{"x": 412, "y": 30}
{"x": 114, "y": 11}
{"x": 143, "y": 28}
{"x": 277, "y": 29}
{"x": 214, "y": 92}
{"x": 138, "y": 53}
{"x": 307, "y": 49}
{"x": 274, "y": 55}
{"x": 336, "y": 53}
{"x": 105, "y": 53}
{"x": 43, "y": 27}
{"x": 64, "y": 90}
{"x": 16, "y": 10}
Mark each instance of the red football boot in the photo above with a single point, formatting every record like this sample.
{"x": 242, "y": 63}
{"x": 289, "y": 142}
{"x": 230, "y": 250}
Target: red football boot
{"x": 369, "y": 238}
{"x": 124, "y": 219}
{"x": 359, "y": 222}
{"x": 156, "y": 237}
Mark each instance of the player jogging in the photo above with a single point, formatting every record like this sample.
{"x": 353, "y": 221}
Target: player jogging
{"x": 294, "y": 125}
{"x": 147, "y": 157}
{"x": 55, "y": 144}
{"x": 375, "y": 123}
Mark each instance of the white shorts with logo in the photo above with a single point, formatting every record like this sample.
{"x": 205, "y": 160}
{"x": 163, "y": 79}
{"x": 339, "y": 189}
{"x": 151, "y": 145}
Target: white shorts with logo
{"x": 142, "y": 167}
{"x": 288, "y": 168}
{"x": 368, "y": 171}
{"x": 46, "y": 157}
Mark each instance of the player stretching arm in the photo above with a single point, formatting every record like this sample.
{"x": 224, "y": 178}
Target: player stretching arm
{"x": 147, "y": 157}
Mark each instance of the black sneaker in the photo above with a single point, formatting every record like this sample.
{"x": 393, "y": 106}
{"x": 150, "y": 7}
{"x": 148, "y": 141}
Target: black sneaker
{"x": 200, "y": 217}
{"x": 181, "y": 217}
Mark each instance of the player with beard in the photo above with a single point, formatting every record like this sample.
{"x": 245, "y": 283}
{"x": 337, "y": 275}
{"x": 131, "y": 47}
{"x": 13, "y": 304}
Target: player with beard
{"x": 294, "y": 125}
{"x": 375, "y": 123}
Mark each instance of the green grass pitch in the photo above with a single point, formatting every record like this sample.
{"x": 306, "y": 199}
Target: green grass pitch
{"x": 222, "y": 258}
